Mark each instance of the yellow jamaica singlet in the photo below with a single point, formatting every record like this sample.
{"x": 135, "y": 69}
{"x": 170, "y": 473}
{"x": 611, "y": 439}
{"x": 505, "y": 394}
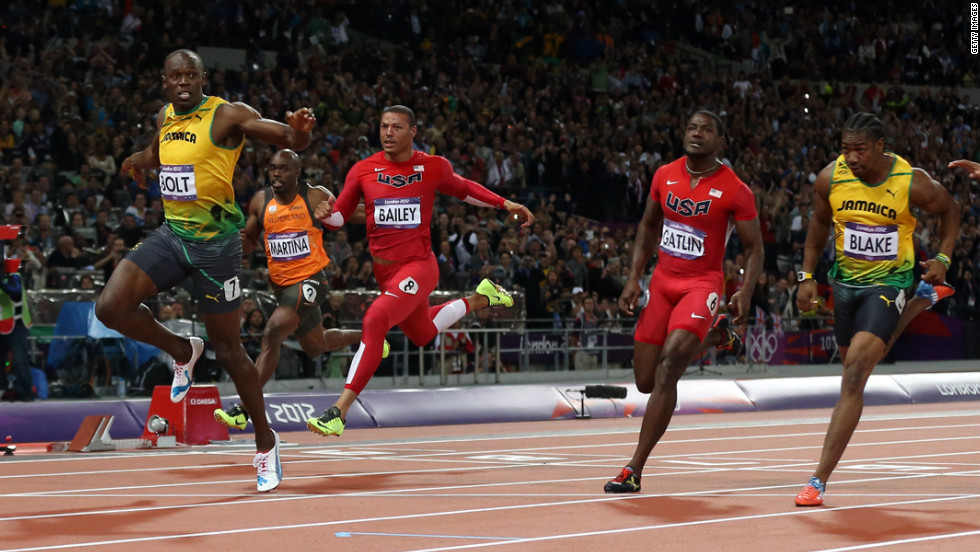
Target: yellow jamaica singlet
{"x": 873, "y": 226}
{"x": 196, "y": 174}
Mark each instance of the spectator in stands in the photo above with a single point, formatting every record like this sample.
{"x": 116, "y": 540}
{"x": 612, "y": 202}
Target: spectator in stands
{"x": 31, "y": 262}
{"x": 252, "y": 330}
{"x": 130, "y": 231}
{"x": 138, "y": 208}
{"x": 19, "y": 206}
{"x": 348, "y": 272}
{"x": 111, "y": 259}
{"x": 78, "y": 229}
{"x": 101, "y": 160}
{"x": 586, "y": 335}
{"x": 64, "y": 260}
{"x": 19, "y": 217}
{"x": 363, "y": 278}
{"x": 102, "y": 228}
{"x": 339, "y": 249}
{"x": 42, "y": 235}
{"x": 35, "y": 203}
{"x": 69, "y": 207}
{"x": 86, "y": 282}
{"x": 166, "y": 313}
{"x": 15, "y": 321}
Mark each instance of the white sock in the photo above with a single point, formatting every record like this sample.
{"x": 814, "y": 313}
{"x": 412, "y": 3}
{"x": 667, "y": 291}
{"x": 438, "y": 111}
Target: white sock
{"x": 450, "y": 314}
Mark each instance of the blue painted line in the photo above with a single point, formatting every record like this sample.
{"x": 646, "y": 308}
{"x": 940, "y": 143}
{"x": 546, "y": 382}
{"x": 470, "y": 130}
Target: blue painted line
{"x": 351, "y": 534}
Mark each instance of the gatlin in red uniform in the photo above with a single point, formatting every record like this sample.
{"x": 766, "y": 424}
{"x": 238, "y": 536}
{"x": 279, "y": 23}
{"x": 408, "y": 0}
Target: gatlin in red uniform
{"x": 686, "y": 285}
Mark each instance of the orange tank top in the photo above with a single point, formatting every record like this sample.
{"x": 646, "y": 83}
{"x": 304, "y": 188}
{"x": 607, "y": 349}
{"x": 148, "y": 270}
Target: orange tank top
{"x": 293, "y": 239}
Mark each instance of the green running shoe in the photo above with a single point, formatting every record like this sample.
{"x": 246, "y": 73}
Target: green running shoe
{"x": 327, "y": 424}
{"x": 496, "y": 294}
{"x": 235, "y": 416}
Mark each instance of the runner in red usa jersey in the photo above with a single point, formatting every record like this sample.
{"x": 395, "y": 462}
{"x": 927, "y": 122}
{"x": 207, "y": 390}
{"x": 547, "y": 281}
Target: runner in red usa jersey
{"x": 694, "y": 204}
{"x": 686, "y": 287}
{"x": 698, "y": 221}
{"x": 398, "y": 187}
{"x": 398, "y": 199}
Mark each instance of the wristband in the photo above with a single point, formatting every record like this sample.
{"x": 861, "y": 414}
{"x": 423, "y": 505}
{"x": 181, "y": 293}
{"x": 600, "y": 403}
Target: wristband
{"x": 941, "y": 257}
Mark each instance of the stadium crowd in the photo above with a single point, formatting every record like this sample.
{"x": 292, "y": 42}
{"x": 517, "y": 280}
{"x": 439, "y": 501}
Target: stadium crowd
{"x": 569, "y": 106}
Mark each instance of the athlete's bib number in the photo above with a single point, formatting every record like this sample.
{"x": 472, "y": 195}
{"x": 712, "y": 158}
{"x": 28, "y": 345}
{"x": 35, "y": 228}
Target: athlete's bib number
{"x": 682, "y": 241}
{"x": 871, "y": 243}
{"x": 177, "y": 182}
{"x": 288, "y": 246}
{"x": 399, "y": 213}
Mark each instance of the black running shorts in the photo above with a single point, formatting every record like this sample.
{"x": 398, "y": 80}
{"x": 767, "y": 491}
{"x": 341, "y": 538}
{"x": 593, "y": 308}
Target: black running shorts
{"x": 874, "y": 309}
{"x": 212, "y": 265}
{"x": 305, "y": 298}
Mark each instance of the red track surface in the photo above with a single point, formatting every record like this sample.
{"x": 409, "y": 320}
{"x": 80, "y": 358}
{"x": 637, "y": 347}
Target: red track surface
{"x": 910, "y": 480}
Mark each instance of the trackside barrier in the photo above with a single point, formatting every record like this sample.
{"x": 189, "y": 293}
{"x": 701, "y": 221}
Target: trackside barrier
{"x": 58, "y": 420}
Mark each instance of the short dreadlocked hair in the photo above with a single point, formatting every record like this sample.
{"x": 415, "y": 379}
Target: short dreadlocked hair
{"x": 867, "y": 123}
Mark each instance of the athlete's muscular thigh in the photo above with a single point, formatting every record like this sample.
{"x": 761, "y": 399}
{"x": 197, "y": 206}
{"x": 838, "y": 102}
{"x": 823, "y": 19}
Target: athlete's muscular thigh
{"x": 405, "y": 290}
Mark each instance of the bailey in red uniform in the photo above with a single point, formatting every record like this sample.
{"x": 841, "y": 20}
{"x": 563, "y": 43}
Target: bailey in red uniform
{"x": 398, "y": 188}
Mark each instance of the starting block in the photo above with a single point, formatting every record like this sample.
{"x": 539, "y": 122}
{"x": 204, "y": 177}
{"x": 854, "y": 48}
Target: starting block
{"x": 191, "y": 421}
{"x": 93, "y": 435}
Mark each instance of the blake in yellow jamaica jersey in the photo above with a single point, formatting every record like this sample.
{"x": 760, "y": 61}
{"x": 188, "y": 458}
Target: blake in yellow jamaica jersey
{"x": 868, "y": 195}
{"x": 199, "y": 139}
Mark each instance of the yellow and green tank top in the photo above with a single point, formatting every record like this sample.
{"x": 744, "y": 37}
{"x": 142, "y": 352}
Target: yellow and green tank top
{"x": 873, "y": 226}
{"x": 196, "y": 175}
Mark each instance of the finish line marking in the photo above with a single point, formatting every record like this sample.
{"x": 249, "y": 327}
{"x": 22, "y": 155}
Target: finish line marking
{"x": 352, "y": 533}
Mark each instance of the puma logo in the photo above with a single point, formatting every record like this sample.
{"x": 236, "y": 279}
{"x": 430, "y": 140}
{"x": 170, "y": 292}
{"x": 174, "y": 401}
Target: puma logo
{"x": 199, "y": 117}
{"x": 213, "y": 297}
{"x": 888, "y": 302}
{"x": 892, "y": 193}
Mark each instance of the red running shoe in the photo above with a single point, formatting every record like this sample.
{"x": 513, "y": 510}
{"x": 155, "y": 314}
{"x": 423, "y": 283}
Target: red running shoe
{"x": 812, "y": 494}
{"x": 627, "y": 481}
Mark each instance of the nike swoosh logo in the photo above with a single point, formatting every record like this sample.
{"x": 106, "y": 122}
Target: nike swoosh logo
{"x": 379, "y": 169}
{"x": 696, "y": 316}
{"x": 390, "y": 293}
{"x": 672, "y": 182}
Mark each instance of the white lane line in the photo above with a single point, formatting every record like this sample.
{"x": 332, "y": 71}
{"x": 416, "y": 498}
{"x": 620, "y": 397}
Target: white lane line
{"x": 865, "y": 419}
{"x": 397, "y": 493}
{"x": 485, "y": 510}
{"x": 305, "y": 450}
{"x": 902, "y": 541}
{"x": 799, "y": 464}
{"x": 689, "y": 524}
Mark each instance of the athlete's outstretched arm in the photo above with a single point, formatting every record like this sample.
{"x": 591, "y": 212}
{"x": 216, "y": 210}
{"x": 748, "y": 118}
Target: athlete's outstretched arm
{"x": 148, "y": 158}
{"x": 320, "y": 194}
{"x": 473, "y": 193}
{"x": 931, "y": 197}
{"x": 647, "y": 242}
{"x": 245, "y": 120}
{"x": 335, "y": 215}
{"x": 816, "y": 238}
{"x": 250, "y": 235}
{"x": 972, "y": 166}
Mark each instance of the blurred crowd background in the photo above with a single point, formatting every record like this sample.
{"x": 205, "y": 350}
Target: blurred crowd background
{"x": 567, "y": 106}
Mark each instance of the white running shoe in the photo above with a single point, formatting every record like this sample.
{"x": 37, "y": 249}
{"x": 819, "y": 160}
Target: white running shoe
{"x": 184, "y": 373}
{"x": 269, "y": 466}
